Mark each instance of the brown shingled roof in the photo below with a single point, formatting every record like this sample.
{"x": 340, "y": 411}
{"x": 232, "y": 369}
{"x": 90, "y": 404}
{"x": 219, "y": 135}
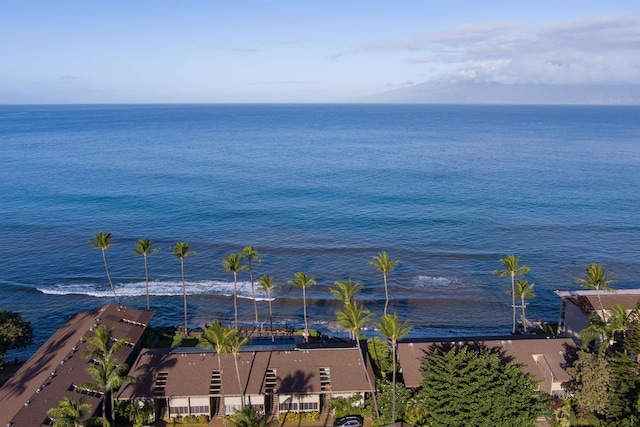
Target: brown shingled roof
{"x": 47, "y": 376}
{"x": 188, "y": 373}
{"x": 521, "y": 348}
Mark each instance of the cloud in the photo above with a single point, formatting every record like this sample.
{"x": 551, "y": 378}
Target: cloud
{"x": 595, "y": 50}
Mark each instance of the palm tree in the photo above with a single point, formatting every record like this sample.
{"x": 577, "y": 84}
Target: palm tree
{"x": 385, "y": 266}
{"x": 303, "y": 281}
{"x": 69, "y": 413}
{"x": 353, "y": 318}
{"x": 605, "y": 331}
{"x": 266, "y": 284}
{"x": 511, "y": 269}
{"x": 393, "y": 331}
{"x": 143, "y": 247}
{"x": 596, "y": 278}
{"x": 102, "y": 345}
{"x": 217, "y": 337}
{"x": 233, "y": 264}
{"x": 181, "y": 251}
{"x": 346, "y": 290}
{"x": 249, "y": 417}
{"x": 102, "y": 240}
{"x": 524, "y": 289}
{"x": 236, "y": 342}
{"x": 251, "y": 254}
{"x": 107, "y": 377}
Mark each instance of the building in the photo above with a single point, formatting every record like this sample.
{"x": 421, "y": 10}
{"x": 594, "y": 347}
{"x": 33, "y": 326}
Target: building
{"x": 541, "y": 356}
{"x": 55, "y": 370}
{"x": 577, "y": 306}
{"x": 272, "y": 378}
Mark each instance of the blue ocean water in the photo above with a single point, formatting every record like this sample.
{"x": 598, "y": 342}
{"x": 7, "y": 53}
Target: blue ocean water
{"x": 447, "y": 190}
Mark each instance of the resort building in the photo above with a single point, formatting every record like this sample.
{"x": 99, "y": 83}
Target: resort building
{"x": 276, "y": 378}
{"x": 577, "y": 306}
{"x": 56, "y": 369}
{"x": 541, "y": 356}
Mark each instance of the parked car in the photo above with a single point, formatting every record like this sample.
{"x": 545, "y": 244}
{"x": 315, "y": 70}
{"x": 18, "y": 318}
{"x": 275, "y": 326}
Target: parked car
{"x": 349, "y": 421}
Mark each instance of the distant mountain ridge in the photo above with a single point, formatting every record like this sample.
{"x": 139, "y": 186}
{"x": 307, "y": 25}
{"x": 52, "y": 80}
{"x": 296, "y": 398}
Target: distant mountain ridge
{"x": 468, "y": 92}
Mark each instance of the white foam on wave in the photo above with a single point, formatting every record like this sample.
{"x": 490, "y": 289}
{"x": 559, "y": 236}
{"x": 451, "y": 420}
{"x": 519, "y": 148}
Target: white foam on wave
{"x": 424, "y": 281}
{"x": 156, "y": 288}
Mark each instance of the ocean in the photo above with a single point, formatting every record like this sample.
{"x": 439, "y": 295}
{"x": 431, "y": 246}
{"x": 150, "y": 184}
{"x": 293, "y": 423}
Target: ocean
{"x": 446, "y": 190}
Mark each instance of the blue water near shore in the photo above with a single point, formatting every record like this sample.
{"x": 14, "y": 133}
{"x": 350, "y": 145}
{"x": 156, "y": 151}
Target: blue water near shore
{"x": 447, "y": 190}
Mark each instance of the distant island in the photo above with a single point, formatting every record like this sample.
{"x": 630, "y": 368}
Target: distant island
{"x": 470, "y": 92}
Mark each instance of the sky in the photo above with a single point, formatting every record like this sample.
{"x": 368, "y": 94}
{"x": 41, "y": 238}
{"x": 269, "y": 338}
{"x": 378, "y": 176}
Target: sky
{"x": 259, "y": 51}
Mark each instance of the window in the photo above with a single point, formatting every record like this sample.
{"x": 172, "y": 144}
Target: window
{"x": 180, "y": 410}
{"x": 309, "y": 406}
{"x": 288, "y": 406}
{"x": 199, "y": 410}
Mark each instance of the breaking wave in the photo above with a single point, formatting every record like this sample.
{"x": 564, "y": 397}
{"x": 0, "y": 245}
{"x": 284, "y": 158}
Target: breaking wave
{"x": 156, "y": 288}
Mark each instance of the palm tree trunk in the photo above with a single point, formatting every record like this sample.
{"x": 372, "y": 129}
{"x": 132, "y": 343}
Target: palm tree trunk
{"x": 235, "y": 300}
{"x": 184, "y": 295}
{"x": 104, "y": 259}
{"x": 304, "y": 306}
{"x": 146, "y": 279}
{"x": 270, "y": 315}
{"x": 513, "y": 301}
{"x": 524, "y": 318}
{"x": 235, "y": 359}
{"x": 604, "y": 315}
{"x": 224, "y": 408}
{"x": 253, "y": 294}
{"x": 386, "y": 294}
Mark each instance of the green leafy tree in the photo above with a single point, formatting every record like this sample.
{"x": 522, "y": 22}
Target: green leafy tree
{"x": 251, "y": 254}
{"x": 524, "y": 289}
{"x": 143, "y": 247}
{"x": 624, "y": 391}
{"x": 385, "y": 266}
{"x": 102, "y": 240}
{"x": 343, "y": 406}
{"x": 380, "y": 357}
{"x": 233, "y": 264}
{"x": 346, "y": 290}
{"x": 181, "y": 251}
{"x": 15, "y": 333}
{"x": 267, "y": 285}
{"x": 137, "y": 411}
{"x": 631, "y": 342}
{"x": 469, "y": 386}
{"x": 591, "y": 379}
{"x": 393, "y": 330}
{"x": 249, "y": 417}
{"x": 392, "y": 401}
{"x": 597, "y": 279}
{"x": 512, "y": 269}
{"x": 303, "y": 281}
